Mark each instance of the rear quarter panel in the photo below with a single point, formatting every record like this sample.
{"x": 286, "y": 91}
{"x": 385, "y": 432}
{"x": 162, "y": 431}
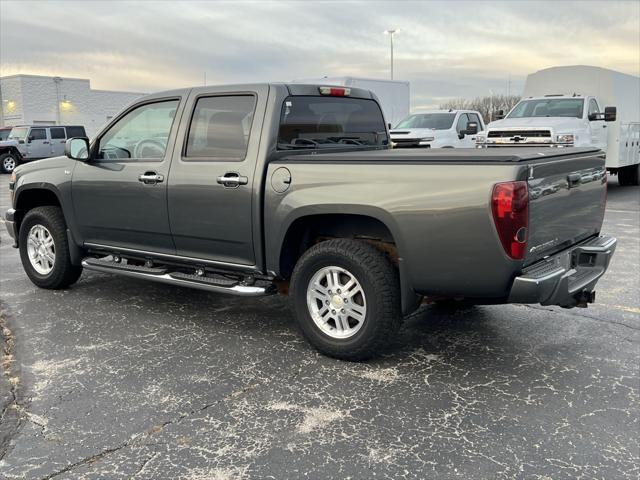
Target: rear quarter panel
{"x": 439, "y": 215}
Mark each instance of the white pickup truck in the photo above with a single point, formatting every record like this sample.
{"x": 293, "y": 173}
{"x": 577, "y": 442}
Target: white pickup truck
{"x": 438, "y": 129}
{"x": 577, "y": 106}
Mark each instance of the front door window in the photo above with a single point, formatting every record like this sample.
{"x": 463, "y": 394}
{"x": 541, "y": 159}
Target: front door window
{"x": 141, "y": 134}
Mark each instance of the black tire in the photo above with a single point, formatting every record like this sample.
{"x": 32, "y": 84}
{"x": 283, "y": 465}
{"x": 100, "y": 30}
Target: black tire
{"x": 63, "y": 272}
{"x": 379, "y": 281}
{"x": 628, "y": 176}
{"x": 8, "y": 162}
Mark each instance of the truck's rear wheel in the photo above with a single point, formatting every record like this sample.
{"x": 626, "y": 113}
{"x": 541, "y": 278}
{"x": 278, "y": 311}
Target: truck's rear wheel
{"x": 44, "y": 249}
{"x": 629, "y": 175}
{"x": 8, "y": 162}
{"x": 345, "y": 297}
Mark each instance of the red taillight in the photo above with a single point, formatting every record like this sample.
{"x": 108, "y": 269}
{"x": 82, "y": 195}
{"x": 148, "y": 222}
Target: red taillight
{"x": 335, "y": 91}
{"x": 510, "y": 208}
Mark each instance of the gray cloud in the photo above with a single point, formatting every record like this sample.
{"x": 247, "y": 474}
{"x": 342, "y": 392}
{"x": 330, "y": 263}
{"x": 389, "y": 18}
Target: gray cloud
{"x": 446, "y": 49}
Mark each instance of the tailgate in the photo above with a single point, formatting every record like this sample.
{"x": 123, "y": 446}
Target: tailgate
{"x": 567, "y": 198}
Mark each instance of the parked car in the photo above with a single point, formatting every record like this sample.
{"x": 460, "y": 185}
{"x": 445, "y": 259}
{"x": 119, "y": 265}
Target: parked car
{"x": 267, "y": 186}
{"x": 25, "y": 143}
{"x": 438, "y": 129}
{"x": 577, "y": 106}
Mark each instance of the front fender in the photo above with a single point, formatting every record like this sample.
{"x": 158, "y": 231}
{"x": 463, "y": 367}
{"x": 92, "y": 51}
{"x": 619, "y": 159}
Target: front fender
{"x": 51, "y": 175}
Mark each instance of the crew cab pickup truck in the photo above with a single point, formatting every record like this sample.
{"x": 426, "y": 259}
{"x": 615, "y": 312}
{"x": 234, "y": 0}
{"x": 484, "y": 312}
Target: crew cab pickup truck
{"x": 253, "y": 189}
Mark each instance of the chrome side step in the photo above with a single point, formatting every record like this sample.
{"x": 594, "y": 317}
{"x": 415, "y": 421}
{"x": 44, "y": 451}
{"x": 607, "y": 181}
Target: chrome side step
{"x": 211, "y": 284}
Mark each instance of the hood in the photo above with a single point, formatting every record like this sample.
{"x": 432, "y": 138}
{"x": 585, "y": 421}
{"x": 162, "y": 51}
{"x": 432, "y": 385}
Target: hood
{"x": 413, "y": 132}
{"x": 557, "y": 123}
{"x": 8, "y": 143}
{"x": 46, "y": 164}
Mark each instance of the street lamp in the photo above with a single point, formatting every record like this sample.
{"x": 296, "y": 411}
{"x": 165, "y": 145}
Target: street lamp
{"x": 391, "y": 33}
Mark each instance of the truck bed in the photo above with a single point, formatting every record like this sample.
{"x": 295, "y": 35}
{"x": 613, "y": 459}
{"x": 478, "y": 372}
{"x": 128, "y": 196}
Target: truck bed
{"x": 446, "y": 155}
{"x": 438, "y": 206}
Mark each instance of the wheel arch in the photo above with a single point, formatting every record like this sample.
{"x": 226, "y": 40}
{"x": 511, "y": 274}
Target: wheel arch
{"x": 376, "y": 227}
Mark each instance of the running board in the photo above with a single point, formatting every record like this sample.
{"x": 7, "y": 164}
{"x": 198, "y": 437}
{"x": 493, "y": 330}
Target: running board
{"x": 216, "y": 284}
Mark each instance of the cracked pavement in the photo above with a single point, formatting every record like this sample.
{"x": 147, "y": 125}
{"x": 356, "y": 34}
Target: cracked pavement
{"x": 117, "y": 378}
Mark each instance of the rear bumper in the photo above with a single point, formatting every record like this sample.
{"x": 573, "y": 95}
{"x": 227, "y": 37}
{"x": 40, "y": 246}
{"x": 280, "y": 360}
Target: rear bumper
{"x": 567, "y": 278}
{"x": 10, "y": 223}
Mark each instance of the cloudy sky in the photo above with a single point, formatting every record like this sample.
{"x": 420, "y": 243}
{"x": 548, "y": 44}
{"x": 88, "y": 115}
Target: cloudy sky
{"x": 445, "y": 49}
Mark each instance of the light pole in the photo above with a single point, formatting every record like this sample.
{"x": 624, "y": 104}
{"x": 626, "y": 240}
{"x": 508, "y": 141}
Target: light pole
{"x": 391, "y": 33}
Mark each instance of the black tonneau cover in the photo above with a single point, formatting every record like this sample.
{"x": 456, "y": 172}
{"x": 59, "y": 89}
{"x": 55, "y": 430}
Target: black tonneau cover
{"x": 445, "y": 155}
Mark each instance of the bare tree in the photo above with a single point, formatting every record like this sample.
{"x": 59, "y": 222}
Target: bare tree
{"x": 487, "y": 106}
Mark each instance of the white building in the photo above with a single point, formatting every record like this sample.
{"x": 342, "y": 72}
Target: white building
{"x": 39, "y": 100}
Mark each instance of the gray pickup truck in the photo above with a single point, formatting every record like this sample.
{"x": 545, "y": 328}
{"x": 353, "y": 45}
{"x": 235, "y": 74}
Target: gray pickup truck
{"x": 254, "y": 189}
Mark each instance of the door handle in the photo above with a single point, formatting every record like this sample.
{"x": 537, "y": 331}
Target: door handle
{"x": 232, "y": 180}
{"x": 150, "y": 178}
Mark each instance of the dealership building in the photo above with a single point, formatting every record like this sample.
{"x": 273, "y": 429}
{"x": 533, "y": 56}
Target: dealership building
{"x": 40, "y": 100}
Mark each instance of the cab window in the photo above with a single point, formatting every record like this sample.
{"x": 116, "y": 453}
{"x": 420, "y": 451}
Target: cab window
{"x": 142, "y": 134}
{"x": 474, "y": 118}
{"x": 38, "y": 134}
{"x": 220, "y": 128}
{"x": 593, "y": 107}
{"x": 57, "y": 133}
{"x": 463, "y": 120}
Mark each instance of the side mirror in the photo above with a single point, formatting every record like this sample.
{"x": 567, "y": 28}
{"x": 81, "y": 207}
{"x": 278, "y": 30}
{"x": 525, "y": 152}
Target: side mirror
{"x": 389, "y": 125}
{"x": 472, "y": 128}
{"x": 610, "y": 114}
{"x": 499, "y": 115}
{"x": 77, "y": 148}
{"x": 29, "y": 139}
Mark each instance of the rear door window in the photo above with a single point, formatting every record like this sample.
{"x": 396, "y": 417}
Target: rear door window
{"x": 220, "y": 127}
{"x": 57, "y": 133}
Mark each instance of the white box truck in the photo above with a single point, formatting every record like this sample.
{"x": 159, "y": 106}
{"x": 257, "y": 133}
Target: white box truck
{"x": 394, "y": 95}
{"x": 577, "y": 106}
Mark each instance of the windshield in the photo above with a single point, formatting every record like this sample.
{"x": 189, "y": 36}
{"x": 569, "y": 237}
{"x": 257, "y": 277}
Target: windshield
{"x": 548, "y": 107}
{"x": 18, "y": 133}
{"x": 434, "y": 121}
{"x": 330, "y": 122}
{"x": 4, "y": 134}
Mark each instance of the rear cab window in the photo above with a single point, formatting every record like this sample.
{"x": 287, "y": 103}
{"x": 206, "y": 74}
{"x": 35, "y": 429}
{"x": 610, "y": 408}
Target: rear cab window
{"x": 318, "y": 122}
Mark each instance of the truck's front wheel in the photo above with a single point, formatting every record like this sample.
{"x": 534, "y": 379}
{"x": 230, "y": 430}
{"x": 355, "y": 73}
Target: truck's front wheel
{"x": 345, "y": 297}
{"x": 44, "y": 249}
{"x": 8, "y": 162}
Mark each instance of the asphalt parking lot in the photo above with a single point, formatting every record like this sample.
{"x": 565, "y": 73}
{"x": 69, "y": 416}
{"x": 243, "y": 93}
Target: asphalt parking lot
{"x": 116, "y": 378}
